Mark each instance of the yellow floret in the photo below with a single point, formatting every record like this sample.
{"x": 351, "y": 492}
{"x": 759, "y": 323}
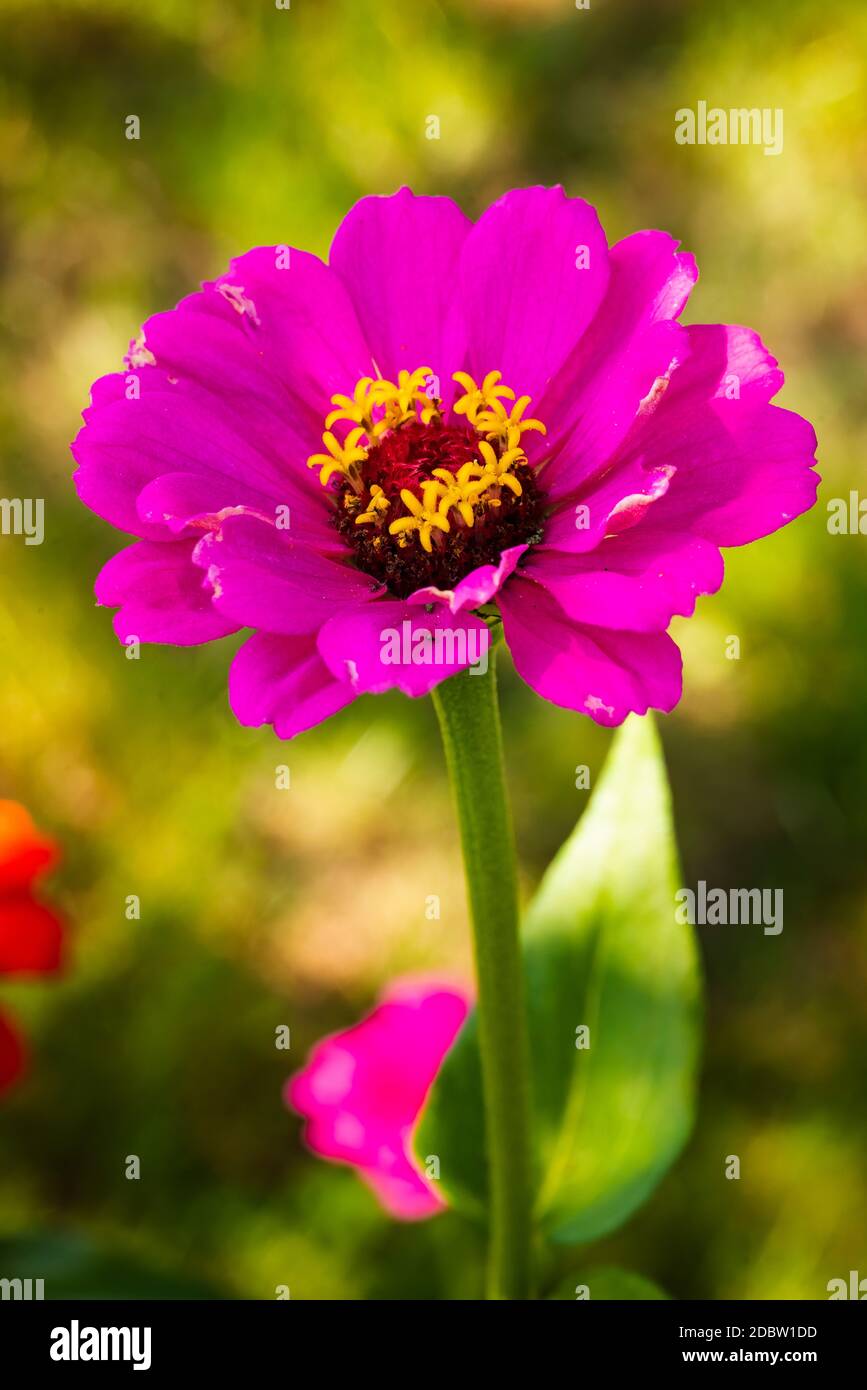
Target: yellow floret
{"x": 507, "y": 427}
{"x": 341, "y": 458}
{"x": 425, "y": 515}
{"x": 476, "y": 398}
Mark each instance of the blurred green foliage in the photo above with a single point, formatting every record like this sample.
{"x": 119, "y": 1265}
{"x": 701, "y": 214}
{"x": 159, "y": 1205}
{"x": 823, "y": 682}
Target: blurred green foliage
{"x": 261, "y": 908}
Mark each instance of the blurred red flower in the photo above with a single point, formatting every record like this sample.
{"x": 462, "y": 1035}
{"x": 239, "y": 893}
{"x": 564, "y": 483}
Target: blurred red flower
{"x": 30, "y": 933}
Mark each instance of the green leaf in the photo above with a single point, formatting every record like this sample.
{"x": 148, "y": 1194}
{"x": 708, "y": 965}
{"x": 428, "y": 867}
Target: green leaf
{"x": 452, "y": 1125}
{"x": 602, "y": 949}
{"x": 611, "y": 1284}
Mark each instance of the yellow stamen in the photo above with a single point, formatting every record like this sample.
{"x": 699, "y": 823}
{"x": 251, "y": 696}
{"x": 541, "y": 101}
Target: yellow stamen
{"x": 358, "y": 407}
{"x": 341, "y": 458}
{"x": 430, "y": 411}
{"x": 378, "y": 503}
{"x": 378, "y": 406}
{"x": 475, "y": 398}
{"x": 507, "y": 428}
{"x": 497, "y": 466}
{"x": 424, "y": 514}
{"x": 400, "y": 401}
{"x": 462, "y": 490}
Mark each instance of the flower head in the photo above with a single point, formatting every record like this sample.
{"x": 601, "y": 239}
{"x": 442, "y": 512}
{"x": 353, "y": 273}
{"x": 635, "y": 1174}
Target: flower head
{"x": 362, "y": 1090}
{"x": 30, "y": 933}
{"x": 446, "y": 417}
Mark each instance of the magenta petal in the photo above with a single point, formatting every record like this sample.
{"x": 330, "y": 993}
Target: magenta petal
{"x": 477, "y": 587}
{"x": 283, "y": 681}
{"x": 650, "y": 280}
{"x": 740, "y": 467}
{"x": 260, "y": 577}
{"x": 590, "y": 419}
{"x": 636, "y": 581}
{"x": 401, "y": 1189}
{"x": 723, "y": 360}
{"x": 362, "y": 1090}
{"x": 597, "y": 397}
{"x": 178, "y": 500}
{"x": 299, "y": 318}
{"x": 127, "y": 444}
{"x": 233, "y": 384}
{"x": 162, "y": 595}
{"x": 397, "y": 257}
{"x": 188, "y": 503}
{"x": 742, "y": 476}
{"x": 605, "y": 674}
{"x": 391, "y": 645}
{"x": 203, "y": 345}
{"x": 617, "y": 501}
{"x": 526, "y": 293}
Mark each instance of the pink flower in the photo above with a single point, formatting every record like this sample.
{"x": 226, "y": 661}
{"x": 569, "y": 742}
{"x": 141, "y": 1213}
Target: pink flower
{"x": 362, "y": 1090}
{"x": 502, "y": 412}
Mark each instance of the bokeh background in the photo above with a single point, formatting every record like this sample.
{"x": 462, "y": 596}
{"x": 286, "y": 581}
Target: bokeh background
{"x": 263, "y": 907}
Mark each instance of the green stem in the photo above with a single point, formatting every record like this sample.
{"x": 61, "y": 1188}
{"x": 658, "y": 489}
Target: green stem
{"x": 469, "y": 717}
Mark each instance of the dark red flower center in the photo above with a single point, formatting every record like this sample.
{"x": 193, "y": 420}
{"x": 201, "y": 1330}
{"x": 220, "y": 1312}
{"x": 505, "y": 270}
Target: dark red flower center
{"x": 421, "y": 502}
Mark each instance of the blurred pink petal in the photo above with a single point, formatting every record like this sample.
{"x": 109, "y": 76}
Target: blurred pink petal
{"x": 363, "y": 1090}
